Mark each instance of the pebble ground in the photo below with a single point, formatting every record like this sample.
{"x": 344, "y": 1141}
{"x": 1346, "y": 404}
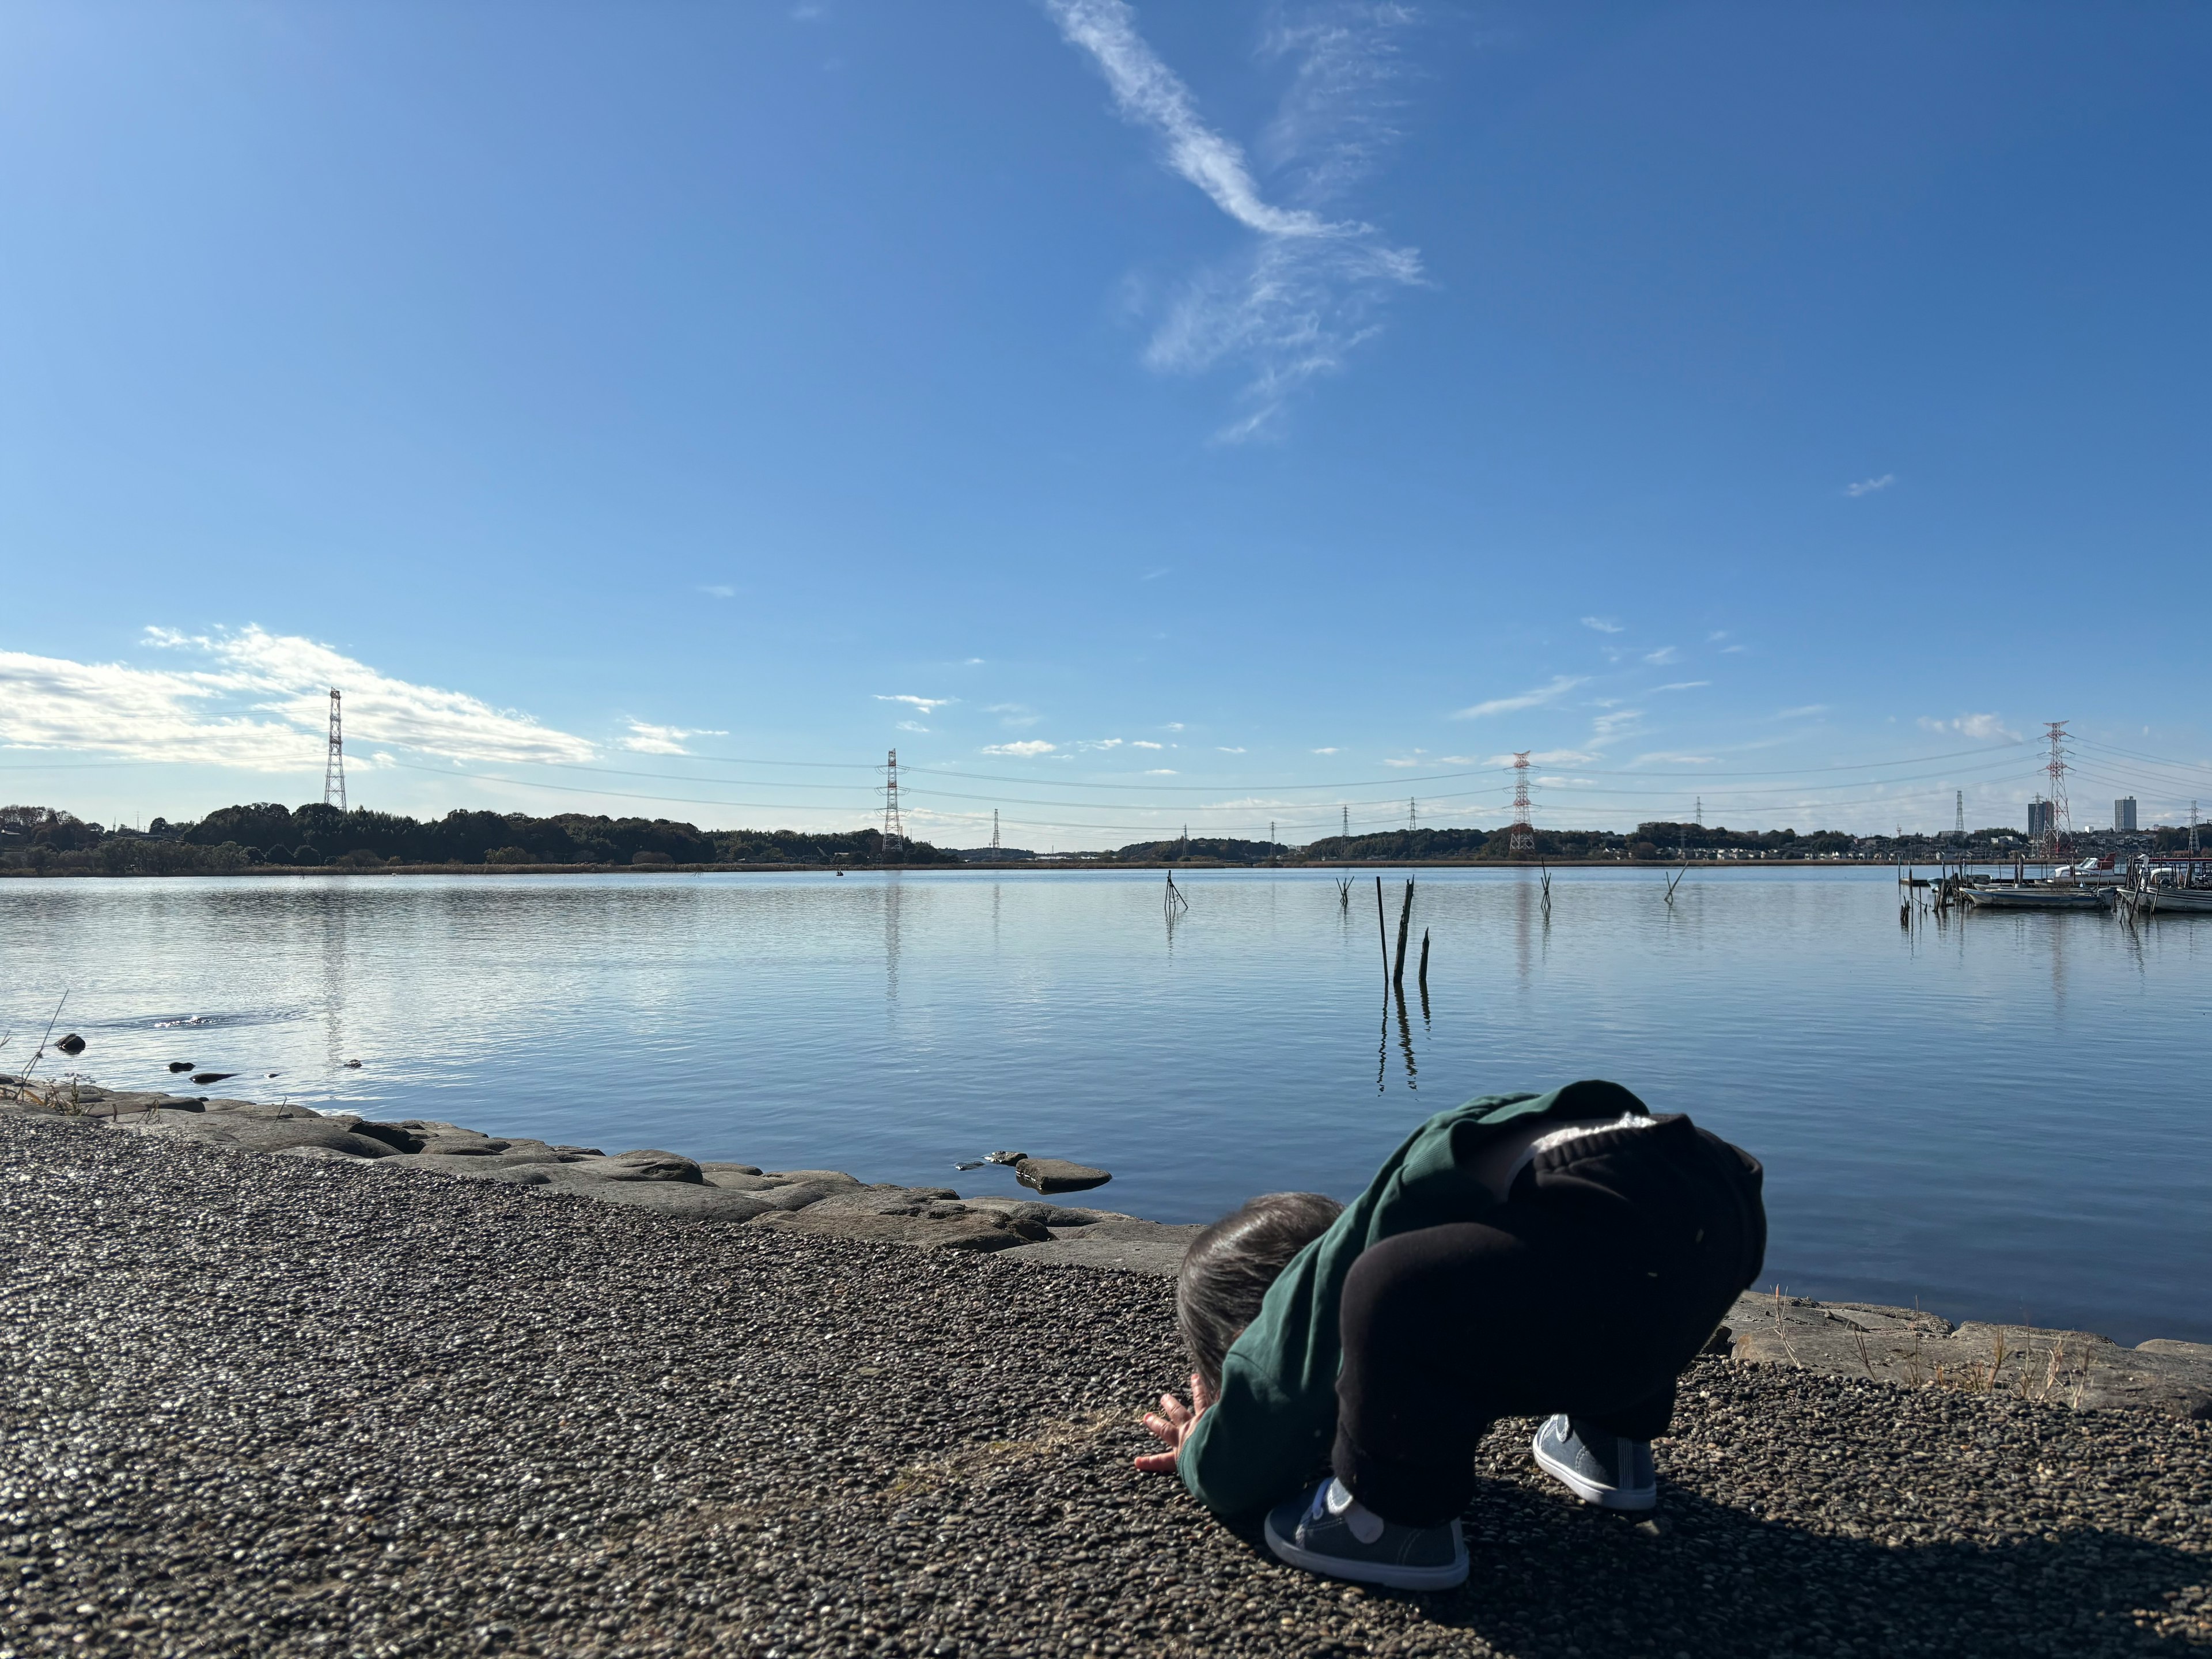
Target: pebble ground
{"x": 259, "y": 1405}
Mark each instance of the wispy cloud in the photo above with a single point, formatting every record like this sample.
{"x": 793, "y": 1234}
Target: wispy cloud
{"x": 1536, "y": 698}
{"x": 1682, "y": 685}
{"x": 258, "y": 701}
{"x": 1603, "y": 624}
{"x": 1802, "y": 711}
{"x": 1147, "y": 743}
{"x": 1325, "y": 751}
{"x": 1615, "y": 724}
{"x": 1310, "y": 288}
{"x": 910, "y": 725}
{"x": 1226, "y": 750}
{"x": 1663, "y": 656}
{"x": 919, "y": 705}
{"x": 1983, "y": 728}
{"x": 1869, "y": 486}
{"x": 719, "y": 590}
{"x": 1670, "y": 757}
{"x": 1548, "y": 757}
{"x": 1013, "y": 716}
{"x": 1161, "y": 771}
{"x": 1025, "y": 748}
{"x": 647, "y": 739}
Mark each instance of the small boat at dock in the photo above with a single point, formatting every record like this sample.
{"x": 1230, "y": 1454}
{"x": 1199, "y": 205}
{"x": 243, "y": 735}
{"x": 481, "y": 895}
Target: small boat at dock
{"x": 2152, "y": 901}
{"x": 2039, "y": 895}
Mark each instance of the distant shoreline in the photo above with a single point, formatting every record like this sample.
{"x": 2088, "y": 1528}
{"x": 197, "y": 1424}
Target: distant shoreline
{"x": 1011, "y": 866}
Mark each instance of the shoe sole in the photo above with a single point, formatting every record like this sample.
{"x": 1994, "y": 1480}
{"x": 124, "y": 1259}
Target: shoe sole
{"x": 1606, "y": 1497}
{"x": 1389, "y": 1575}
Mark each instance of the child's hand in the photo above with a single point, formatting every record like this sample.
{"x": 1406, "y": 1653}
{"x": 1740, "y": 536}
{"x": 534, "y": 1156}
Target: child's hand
{"x": 1174, "y": 1427}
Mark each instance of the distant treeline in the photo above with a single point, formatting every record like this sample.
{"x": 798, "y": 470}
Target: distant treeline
{"x": 265, "y": 834}
{"x": 43, "y": 839}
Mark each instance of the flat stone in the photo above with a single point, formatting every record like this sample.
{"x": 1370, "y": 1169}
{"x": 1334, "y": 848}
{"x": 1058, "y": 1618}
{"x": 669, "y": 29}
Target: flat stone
{"x": 1004, "y": 1157}
{"x": 944, "y": 1229}
{"x": 256, "y": 1135}
{"x": 1051, "y": 1215}
{"x": 648, "y": 1165}
{"x": 1919, "y": 1350}
{"x": 678, "y": 1199}
{"x": 1153, "y": 1248}
{"x": 1057, "y": 1174}
{"x": 817, "y": 1177}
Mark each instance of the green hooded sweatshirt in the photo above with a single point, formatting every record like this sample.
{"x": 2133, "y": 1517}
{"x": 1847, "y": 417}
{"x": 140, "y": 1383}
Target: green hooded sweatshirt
{"x": 1276, "y": 1414}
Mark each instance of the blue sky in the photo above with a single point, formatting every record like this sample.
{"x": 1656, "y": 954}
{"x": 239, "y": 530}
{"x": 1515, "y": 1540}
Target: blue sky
{"x": 1139, "y": 415}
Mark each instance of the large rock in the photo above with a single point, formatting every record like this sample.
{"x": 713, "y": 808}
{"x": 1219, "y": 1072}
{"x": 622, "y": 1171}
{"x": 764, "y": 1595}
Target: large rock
{"x": 1919, "y": 1350}
{"x": 1057, "y": 1174}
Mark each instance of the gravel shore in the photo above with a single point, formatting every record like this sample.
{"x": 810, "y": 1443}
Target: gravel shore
{"x": 258, "y": 1404}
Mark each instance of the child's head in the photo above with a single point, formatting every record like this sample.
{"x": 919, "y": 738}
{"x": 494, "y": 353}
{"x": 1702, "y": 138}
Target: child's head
{"x": 1227, "y": 1270}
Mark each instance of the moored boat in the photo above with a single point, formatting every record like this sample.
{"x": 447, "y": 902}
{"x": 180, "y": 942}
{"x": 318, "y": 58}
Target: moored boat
{"x": 2022, "y": 896}
{"x": 2169, "y": 901}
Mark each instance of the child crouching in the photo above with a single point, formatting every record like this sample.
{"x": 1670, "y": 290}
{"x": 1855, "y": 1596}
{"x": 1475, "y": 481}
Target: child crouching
{"x": 1563, "y": 1256}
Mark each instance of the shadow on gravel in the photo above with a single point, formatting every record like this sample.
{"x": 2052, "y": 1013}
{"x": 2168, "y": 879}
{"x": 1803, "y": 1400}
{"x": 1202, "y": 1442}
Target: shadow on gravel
{"x": 1551, "y": 1578}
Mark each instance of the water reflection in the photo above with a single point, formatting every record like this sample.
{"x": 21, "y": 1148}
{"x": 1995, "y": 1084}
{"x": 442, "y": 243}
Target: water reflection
{"x": 1905, "y": 1101}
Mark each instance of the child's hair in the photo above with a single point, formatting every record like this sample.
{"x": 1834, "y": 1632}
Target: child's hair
{"x": 1228, "y": 1268}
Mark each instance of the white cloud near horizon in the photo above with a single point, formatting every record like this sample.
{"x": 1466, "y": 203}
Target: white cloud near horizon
{"x": 261, "y": 704}
{"x": 919, "y": 705}
{"x": 1869, "y": 486}
{"x": 1024, "y": 749}
{"x": 648, "y": 739}
{"x": 1308, "y": 293}
{"x": 1981, "y": 727}
{"x": 1535, "y": 698}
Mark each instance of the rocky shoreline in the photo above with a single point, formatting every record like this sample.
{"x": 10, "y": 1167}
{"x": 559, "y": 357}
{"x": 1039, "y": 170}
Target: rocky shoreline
{"x": 310, "y": 1405}
{"x": 1898, "y": 1345}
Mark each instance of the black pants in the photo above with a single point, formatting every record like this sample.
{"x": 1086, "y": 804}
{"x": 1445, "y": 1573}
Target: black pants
{"x": 1588, "y": 1291}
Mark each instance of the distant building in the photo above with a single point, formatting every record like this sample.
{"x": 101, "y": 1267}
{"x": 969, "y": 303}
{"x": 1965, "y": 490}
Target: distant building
{"x": 2123, "y": 813}
{"x": 2040, "y": 816}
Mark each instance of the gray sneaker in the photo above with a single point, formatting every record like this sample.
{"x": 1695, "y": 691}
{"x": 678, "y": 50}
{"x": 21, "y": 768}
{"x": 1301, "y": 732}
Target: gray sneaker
{"x": 1609, "y": 1470}
{"x": 1333, "y": 1534}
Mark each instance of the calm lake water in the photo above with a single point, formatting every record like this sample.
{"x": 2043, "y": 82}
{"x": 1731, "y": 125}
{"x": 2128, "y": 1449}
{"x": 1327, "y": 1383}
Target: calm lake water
{"x": 2002, "y": 1117}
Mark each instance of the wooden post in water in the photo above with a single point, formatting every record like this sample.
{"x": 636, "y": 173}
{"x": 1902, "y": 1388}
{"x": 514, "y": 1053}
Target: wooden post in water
{"x": 1405, "y": 920}
{"x": 1425, "y": 964}
{"x": 1382, "y": 929}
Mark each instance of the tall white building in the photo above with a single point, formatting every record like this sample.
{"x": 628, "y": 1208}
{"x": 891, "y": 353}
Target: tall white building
{"x": 2123, "y": 812}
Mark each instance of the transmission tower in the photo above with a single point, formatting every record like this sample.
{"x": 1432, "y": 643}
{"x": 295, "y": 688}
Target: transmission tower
{"x": 1697, "y": 813}
{"x": 1959, "y": 827}
{"x": 2055, "y": 846}
{"x": 1347, "y": 831}
{"x": 334, "y": 761}
{"x": 2192, "y": 828}
{"x": 1521, "y": 838}
{"x": 1412, "y": 815}
{"x": 1271, "y": 835}
{"x": 894, "y": 827}
{"x": 994, "y": 832}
